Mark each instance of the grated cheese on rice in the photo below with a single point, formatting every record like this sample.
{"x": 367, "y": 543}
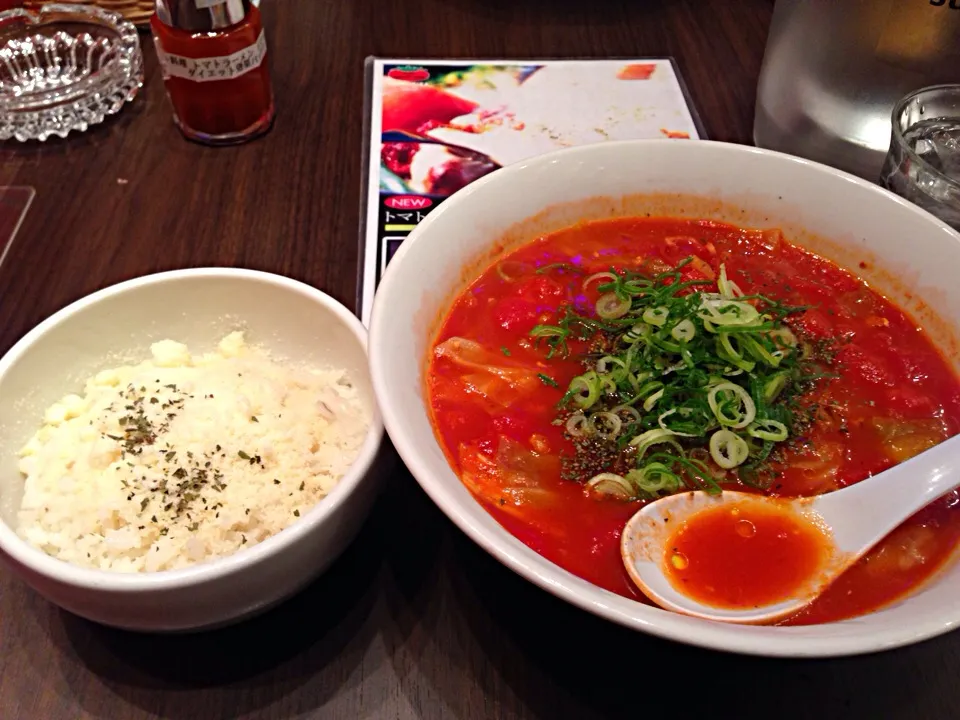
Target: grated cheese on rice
{"x": 182, "y": 459}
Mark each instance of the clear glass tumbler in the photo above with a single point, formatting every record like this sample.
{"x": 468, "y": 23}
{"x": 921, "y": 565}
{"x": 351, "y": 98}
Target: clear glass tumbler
{"x": 923, "y": 163}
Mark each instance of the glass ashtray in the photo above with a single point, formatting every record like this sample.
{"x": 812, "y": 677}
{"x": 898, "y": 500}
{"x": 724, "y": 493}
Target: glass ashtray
{"x": 64, "y": 68}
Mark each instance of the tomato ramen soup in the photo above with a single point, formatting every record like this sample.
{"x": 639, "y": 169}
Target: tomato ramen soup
{"x": 601, "y": 367}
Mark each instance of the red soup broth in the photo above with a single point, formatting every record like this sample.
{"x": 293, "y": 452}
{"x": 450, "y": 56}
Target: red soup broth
{"x": 746, "y": 555}
{"x": 493, "y": 396}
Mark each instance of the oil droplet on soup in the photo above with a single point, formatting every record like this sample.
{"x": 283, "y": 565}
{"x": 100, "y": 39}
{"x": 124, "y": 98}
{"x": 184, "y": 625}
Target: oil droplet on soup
{"x": 746, "y": 556}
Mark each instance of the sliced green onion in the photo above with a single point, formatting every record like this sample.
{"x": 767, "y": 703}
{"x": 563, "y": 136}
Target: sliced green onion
{"x": 727, "y": 449}
{"x": 584, "y": 390}
{"x": 654, "y": 437}
{"x": 547, "y": 380}
{"x": 652, "y": 400}
{"x": 697, "y": 470}
{"x": 783, "y": 337}
{"x": 656, "y": 316}
{"x": 732, "y": 355}
{"x": 636, "y": 287}
{"x": 607, "y": 384}
{"x": 621, "y": 410}
{"x": 662, "y": 344}
{"x": 644, "y": 390}
{"x": 605, "y": 361}
{"x": 667, "y": 414}
{"x": 599, "y": 276}
{"x": 637, "y": 333}
{"x": 654, "y": 478}
{"x": 684, "y": 331}
{"x": 541, "y": 331}
{"x": 760, "y": 352}
{"x": 766, "y": 429}
{"x": 611, "y": 306}
{"x": 673, "y": 368}
{"x": 606, "y": 424}
{"x": 555, "y": 337}
{"x": 690, "y": 379}
{"x": 727, "y": 288}
{"x": 577, "y": 425}
{"x": 611, "y": 484}
{"x": 773, "y": 386}
{"x": 721, "y": 311}
{"x": 735, "y": 408}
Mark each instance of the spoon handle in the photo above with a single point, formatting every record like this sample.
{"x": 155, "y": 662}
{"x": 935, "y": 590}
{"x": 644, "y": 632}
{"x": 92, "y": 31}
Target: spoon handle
{"x": 863, "y": 513}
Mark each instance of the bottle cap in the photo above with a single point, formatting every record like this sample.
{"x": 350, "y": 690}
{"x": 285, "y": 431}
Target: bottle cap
{"x": 202, "y": 15}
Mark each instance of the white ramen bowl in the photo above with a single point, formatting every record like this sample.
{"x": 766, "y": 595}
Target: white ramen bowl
{"x": 197, "y": 307}
{"x": 901, "y": 250}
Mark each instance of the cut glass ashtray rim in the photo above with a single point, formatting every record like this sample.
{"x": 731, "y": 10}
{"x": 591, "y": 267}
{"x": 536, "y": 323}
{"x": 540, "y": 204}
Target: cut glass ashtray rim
{"x": 73, "y": 105}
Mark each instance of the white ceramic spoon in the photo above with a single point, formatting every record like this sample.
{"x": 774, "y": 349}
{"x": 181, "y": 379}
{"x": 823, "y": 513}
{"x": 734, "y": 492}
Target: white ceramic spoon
{"x": 858, "y": 517}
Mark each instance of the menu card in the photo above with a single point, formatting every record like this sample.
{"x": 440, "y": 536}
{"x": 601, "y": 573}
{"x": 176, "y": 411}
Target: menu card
{"x": 435, "y": 126}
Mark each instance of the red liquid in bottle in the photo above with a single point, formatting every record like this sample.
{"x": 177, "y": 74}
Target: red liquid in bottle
{"x": 218, "y": 81}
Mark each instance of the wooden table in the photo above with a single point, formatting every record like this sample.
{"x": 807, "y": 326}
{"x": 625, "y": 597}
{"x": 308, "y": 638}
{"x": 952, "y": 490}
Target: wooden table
{"x": 414, "y": 621}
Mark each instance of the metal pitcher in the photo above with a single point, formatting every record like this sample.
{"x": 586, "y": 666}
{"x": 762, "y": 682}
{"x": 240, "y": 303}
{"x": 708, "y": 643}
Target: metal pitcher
{"x": 833, "y": 70}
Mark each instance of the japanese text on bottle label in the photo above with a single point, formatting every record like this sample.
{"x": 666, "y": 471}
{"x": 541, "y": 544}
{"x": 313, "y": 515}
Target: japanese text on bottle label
{"x": 211, "y": 69}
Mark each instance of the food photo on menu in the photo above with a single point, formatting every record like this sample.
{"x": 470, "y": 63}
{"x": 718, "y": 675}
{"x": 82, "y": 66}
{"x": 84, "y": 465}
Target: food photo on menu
{"x": 689, "y": 400}
{"x": 437, "y": 126}
{"x": 445, "y": 127}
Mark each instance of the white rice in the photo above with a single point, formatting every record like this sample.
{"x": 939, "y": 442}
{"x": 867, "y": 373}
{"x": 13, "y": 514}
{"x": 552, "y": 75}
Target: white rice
{"x": 182, "y": 459}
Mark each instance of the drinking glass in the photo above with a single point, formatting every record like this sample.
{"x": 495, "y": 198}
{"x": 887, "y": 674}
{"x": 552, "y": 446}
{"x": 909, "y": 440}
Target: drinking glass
{"x": 923, "y": 163}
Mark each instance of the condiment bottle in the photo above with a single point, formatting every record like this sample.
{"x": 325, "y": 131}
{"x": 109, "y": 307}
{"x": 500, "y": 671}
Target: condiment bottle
{"x": 213, "y": 54}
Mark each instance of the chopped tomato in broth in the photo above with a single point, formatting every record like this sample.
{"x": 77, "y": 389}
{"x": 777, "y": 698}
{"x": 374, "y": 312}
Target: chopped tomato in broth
{"x": 494, "y": 395}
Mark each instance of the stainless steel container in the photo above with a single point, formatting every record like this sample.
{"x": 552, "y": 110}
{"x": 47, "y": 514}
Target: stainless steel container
{"x": 834, "y": 69}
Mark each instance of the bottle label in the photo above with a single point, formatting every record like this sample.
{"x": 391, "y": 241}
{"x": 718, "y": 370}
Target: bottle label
{"x": 211, "y": 69}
